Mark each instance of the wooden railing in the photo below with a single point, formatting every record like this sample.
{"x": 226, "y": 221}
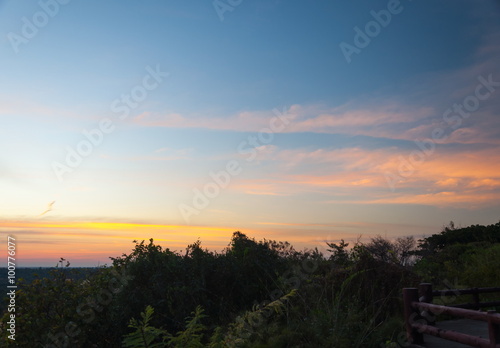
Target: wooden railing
{"x": 420, "y": 315}
{"x": 425, "y": 291}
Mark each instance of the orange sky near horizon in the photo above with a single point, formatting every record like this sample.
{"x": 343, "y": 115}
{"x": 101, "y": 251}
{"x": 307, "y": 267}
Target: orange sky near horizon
{"x": 85, "y": 243}
{"x": 92, "y": 242}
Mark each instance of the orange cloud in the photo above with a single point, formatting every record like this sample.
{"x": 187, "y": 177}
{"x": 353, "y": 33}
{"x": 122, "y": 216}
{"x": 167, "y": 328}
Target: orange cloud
{"x": 467, "y": 199}
{"x": 356, "y": 175}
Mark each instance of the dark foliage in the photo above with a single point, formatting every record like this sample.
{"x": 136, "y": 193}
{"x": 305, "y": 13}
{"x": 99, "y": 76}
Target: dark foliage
{"x": 252, "y": 294}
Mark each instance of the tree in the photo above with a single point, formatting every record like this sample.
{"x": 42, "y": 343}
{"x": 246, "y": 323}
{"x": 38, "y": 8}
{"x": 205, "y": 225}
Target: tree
{"x": 404, "y": 248}
{"x": 340, "y": 254}
{"x": 382, "y": 249}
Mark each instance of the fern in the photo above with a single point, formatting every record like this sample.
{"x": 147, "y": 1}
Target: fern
{"x": 191, "y": 337}
{"x": 144, "y": 334}
{"x": 217, "y": 339}
{"x": 252, "y": 322}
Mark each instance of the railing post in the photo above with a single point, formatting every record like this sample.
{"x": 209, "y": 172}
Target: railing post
{"x": 493, "y": 330}
{"x": 475, "y": 296}
{"x": 411, "y": 315}
{"x": 425, "y": 293}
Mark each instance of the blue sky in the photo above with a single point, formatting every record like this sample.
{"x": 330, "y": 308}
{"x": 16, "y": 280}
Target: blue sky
{"x": 351, "y": 125}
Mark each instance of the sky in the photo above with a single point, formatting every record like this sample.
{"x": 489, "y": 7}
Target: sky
{"x": 299, "y": 121}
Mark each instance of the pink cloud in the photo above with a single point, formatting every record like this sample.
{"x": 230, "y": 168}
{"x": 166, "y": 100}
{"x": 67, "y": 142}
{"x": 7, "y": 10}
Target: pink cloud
{"x": 356, "y": 175}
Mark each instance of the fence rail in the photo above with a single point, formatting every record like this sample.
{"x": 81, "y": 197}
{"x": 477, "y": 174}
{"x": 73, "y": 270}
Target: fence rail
{"x": 420, "y": 315}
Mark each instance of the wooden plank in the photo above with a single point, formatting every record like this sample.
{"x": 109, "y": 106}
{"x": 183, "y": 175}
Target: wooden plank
{"x": 451, "y": 292}
{"x": 459, "y": 312}
{"x": 466, "y": 326}
{"x": 453, "y": 336}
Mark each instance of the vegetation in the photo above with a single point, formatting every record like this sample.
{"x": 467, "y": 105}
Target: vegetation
{"x": 252, "y": 294}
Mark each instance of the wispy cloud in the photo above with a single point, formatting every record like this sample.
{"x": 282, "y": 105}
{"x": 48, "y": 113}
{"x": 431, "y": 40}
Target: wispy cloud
{"x": 308, "y": 118}
{"x": 356, "y": 175}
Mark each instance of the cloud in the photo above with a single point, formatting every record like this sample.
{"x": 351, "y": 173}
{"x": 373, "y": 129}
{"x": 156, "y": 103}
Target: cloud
{"x": 372, "y": 120}
{"x": 245, "y": 121}
{"x": 447, "y": 177}
{"x": 381, "y": 119}
{"x": 161, "y": 154}
{"x": 463, "y": 199}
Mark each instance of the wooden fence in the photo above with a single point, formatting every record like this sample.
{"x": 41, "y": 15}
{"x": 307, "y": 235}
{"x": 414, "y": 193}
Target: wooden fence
{"x": 420, "y": 314}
